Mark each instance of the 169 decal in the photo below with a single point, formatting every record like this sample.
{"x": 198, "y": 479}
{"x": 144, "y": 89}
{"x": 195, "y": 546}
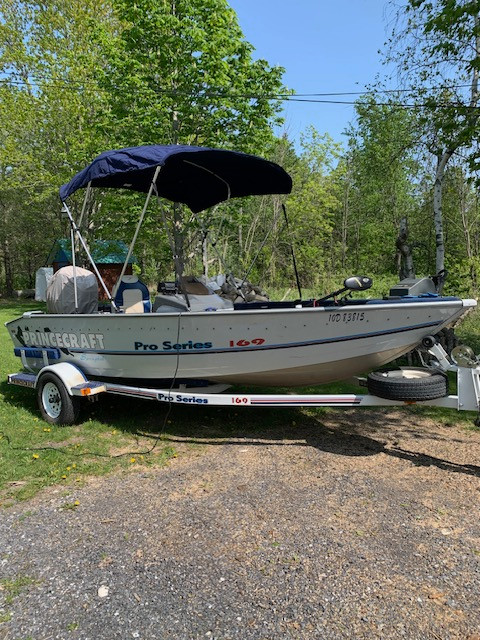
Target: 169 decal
{"x": 246, "y": 343}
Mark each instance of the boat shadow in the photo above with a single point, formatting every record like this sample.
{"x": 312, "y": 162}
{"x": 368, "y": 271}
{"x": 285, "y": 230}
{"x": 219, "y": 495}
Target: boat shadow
{"x": 346, "y": 432}
{"x": 342, "y": 432}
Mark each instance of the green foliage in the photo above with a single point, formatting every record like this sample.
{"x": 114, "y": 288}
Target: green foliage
{"x": 92, "y": 75}
{"x": 181, "y": 71}
{"x": 448, "y": 55}
{"x": 382, "y": 173}
{"x": 313, "y": 205}
{"x": 47, "y": 116}
{"x": 86, "y": 76}
{"x": 436, "y": 47}
{"x": 14, "y": 586}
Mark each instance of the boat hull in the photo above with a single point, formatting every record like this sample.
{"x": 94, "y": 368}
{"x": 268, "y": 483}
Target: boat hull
{"x": 277, "y": 347}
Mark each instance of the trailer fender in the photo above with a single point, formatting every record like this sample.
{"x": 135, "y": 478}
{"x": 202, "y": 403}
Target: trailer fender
{"x": 69, "y": 374}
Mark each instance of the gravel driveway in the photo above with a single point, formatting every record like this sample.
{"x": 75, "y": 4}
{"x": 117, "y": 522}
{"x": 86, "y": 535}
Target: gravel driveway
{"x": 354, "y": 524}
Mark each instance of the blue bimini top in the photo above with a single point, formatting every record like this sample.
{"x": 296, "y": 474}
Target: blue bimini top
{"x": 199, "y": 177}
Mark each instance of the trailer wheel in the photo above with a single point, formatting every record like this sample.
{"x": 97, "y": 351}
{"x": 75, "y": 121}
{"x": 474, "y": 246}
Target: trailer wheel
{"x": 413, "y": 383}
{"x": 57, "y": 406}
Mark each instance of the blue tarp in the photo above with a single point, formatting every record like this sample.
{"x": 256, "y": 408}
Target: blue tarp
{"x": 199, "y": 177}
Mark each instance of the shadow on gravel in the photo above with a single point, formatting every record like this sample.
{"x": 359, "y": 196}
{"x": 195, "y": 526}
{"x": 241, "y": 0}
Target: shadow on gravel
{"x": 338, "y": 443}
{"x": 424, "y": 460}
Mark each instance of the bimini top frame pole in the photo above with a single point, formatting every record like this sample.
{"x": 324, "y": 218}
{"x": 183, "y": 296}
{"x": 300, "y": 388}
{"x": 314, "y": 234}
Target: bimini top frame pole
{"x": 84, "y": 206}
{"x": 72, "y": 241}
{"x": 74, "y": 265}
{"x": 135, "y": 235}
{"x": 76, "y": 230}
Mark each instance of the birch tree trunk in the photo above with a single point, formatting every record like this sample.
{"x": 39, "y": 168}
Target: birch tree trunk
{"x": 442, "y": 160}
{"x": 444, "y": 156}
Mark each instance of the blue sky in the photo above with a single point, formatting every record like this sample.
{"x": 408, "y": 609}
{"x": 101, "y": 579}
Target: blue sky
{"x": 325, "y": 46}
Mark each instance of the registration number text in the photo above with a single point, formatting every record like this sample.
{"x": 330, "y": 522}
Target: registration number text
{"x": 348, "y": 316}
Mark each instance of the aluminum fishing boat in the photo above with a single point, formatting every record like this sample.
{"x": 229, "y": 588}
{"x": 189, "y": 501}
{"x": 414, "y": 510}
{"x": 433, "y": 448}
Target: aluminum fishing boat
{"x": 194, "y": 337}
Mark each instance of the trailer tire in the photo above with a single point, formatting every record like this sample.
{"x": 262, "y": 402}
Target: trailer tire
{"x": 57, "y": 406}
{"x": 412, "y": 383}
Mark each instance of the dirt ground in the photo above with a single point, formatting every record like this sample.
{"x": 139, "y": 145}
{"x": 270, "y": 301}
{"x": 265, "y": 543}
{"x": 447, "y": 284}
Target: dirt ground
{"x": 353, "y": 524}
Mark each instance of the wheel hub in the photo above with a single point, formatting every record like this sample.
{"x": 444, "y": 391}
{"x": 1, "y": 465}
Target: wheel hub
{"x": 51, "y": 399}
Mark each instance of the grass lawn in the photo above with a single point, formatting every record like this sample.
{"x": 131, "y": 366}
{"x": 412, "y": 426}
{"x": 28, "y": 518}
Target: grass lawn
{"x": 35, "y": 454}
{"x": 117, "y": 434}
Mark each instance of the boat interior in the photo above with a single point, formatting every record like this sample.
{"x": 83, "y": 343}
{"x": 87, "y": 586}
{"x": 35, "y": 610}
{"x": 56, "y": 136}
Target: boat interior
{"x": 79, "y": 294}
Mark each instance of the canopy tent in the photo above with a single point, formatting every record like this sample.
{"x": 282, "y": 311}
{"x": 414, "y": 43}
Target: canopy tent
{"x": 103, "y": 252}
{"x": 199, "y": 177}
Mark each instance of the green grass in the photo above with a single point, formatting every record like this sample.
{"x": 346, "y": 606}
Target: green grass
{"x": 12, "y": 587}
{"x": 469, "y": 330}
{"x": 35, "y": 455}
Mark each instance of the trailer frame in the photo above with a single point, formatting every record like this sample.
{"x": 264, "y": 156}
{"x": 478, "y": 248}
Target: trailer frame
{"x": 77, "y": 385}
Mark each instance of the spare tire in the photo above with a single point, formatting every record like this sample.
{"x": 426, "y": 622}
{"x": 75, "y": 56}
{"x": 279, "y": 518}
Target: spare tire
{"x": 409, "y": 383}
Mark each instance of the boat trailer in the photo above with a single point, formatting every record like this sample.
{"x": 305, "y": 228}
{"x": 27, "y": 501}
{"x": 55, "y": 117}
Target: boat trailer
{"x": 61, "y": 386}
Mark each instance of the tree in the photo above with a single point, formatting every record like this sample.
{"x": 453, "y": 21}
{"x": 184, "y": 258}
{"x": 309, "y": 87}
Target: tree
{"x": 49, "y": 102}
{"x": 383, "y": 170}
{"x": 436, "y": 47}
{"x": 462, "y": 229}
{"x": 84, "y": 76}
{"x": 313, "y": 207}
{"x": 180, "y": 71}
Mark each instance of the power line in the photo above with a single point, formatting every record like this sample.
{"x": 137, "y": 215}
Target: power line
{"x": 389, "y": 104}
{"x": 35, "y": 81}
{"x": 312, "y": 98}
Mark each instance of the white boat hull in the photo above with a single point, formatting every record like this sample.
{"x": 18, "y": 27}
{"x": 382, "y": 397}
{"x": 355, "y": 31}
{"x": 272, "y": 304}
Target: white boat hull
{"x": 277, "y": 347}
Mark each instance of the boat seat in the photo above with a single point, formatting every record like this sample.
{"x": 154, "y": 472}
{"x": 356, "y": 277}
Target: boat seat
{"x": 132, "y": 295}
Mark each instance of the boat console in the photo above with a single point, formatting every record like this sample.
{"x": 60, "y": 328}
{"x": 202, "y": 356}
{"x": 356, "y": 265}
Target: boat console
{"x": 172, "y": 299}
